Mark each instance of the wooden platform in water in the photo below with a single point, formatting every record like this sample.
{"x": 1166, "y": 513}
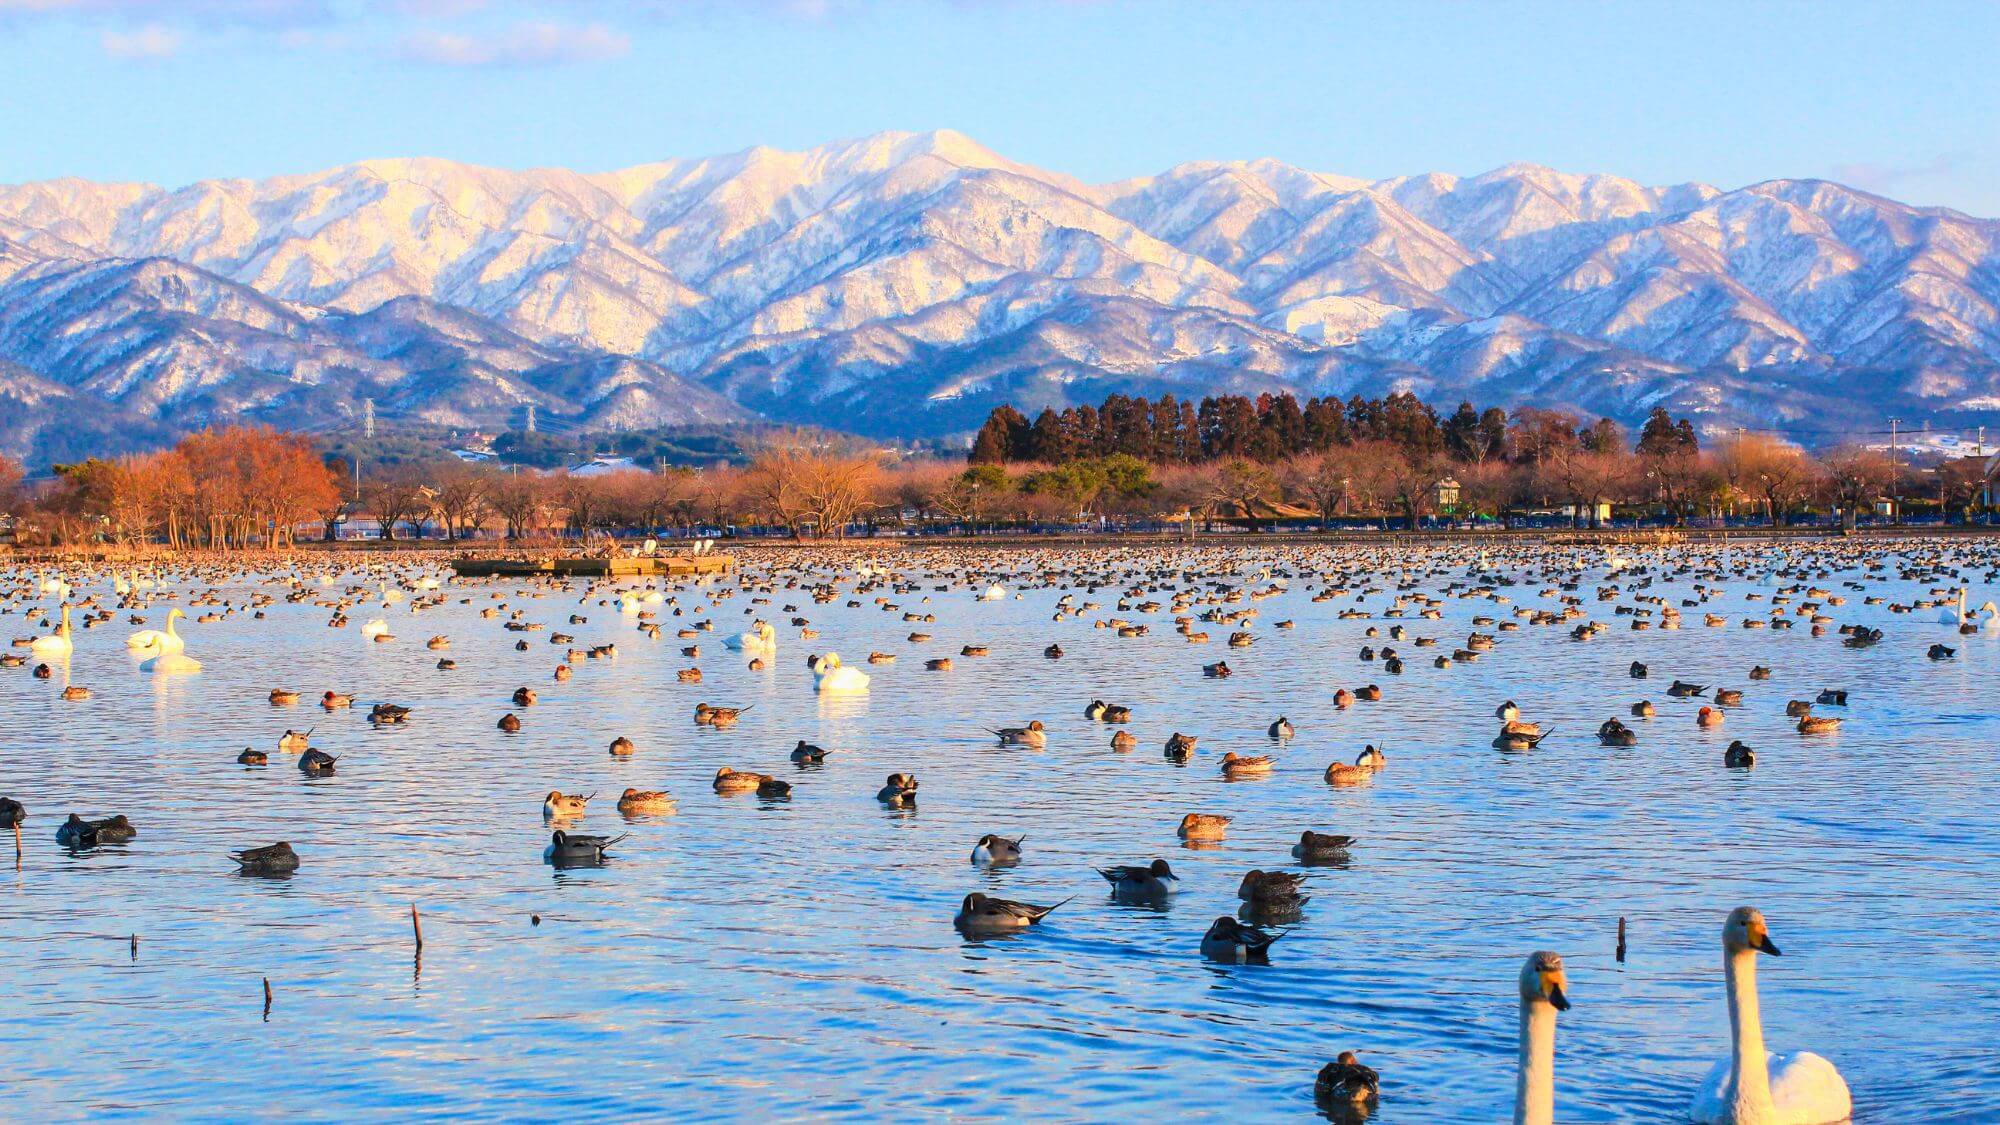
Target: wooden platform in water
{"x": 648, "y": 566}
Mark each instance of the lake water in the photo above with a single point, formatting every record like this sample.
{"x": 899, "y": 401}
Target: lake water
{"x": 757, "y": 959}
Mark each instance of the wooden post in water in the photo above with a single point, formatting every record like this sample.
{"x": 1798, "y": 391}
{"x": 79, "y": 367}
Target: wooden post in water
{"x": 267, "y": 998}
{"x": 417, "y": 927}
{"x": 135, "y": 947}
{"x": 1621, "y": 939}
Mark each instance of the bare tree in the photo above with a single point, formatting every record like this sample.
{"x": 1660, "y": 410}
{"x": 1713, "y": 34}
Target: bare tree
{"x": 1855, "y": 476}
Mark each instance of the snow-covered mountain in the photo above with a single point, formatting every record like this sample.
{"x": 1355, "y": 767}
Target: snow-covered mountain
{"x": 904, "y": 284}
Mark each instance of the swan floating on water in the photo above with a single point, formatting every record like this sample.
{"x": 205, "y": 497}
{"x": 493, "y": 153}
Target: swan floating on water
{"x": 832, "y": 677}
{"x": 1754, "y": 1086}
{"x": 993, "y": 593}
{"x": 153, "y": 642}
{"x": 57, "y": 645}
{"x": 375, "y": 628}
{"x": 760, "y": 640}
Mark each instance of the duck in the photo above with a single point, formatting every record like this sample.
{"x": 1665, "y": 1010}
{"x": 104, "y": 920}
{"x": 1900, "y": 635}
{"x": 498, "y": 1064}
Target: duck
{"x": 1031, "y": 735}
{"x": 1708, "y": 717}
{"x": 1520, "y": 736}
{"x": 1155, "y": 878}
{"x": 1544, "y": 991}
{"x": 1818, "y": 724}
{"x": 1094, "y": 709}
{"x": 1728, "y": 697}
{"x": 1281, "y": 729}
{"x": 1941, "y": 652}
{"x": 1614, "y": 733}
{"x": 76, "y": 693}
{"x": 388, "y": 714}
{"x": 1343, "y": 699}
{"x": 899, "y": 792}
{"x": 1053, "y": 652}
{"x": 993, "y": 850}
{"x": 560, "y": 804}
{"x": 1681, "y": 689}
{"x": 1508, "y": 711}
{"x": 1371, "y": 758}
{"x": 57, "y": 645}
{"x": 1832, "y": 697}
{"x": 622, "y": 747}
{"x": 1233, "y": 942}
{"x": 334, "y": 700}
{"x": 283, "y": 697}
{"x": 1217, "y": 671}
{"x": 806, "y": 754}
{"x": 1755, "y": 1086}
{"x": 1203, "y": 826}
{"x": 1116, "y": 713}
{"x": 1320, "y": 847}
{"x": 1739, "y": 756}
{"x": 509, "y": 722}
{"x": 1760, "y": 672}
{"x": 524, "y": 697}
{"x": 1343, "y": 773}
{"x": 271, "y": 859}
{"x": 153, "y": 642}
{"x": 566, "y": 848}
{"x": 1235, "y": 765}
{"x": 1643, "y": 709}
{"x": 1124, "y": 742}
{"x": 253, "y": 757}
{"x": 738, "y": 781}
{"x": 1345, "y": 1081}
{"x": 648, "y": 801}
{"x": 77, "y": 832}
{"x": 1180, "y": 746}
{"x": 295, "y": 742}
{"x": 317, "y": 763}
{"x": 13, "y": 813}
{"x": 980, "y": 913}
{"x": 1272, "y": 888}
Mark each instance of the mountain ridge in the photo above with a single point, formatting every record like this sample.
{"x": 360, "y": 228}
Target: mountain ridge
{"x": 901, "y": 284}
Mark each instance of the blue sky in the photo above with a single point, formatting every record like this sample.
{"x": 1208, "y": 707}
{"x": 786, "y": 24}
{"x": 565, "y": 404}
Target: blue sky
{"x": 1898, "y": 99}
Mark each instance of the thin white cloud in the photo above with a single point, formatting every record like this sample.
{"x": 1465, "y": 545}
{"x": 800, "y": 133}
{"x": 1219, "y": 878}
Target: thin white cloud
{"x": 148, "y": 42}
{"x": 523, "y": 45}
{"x": 243, "y": 13}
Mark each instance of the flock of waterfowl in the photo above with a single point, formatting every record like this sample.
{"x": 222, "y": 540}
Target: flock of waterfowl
{"x": 1580, "y": 591}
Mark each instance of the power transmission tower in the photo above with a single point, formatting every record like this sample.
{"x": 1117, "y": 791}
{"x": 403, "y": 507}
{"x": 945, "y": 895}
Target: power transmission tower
{"x": 531, "y": 417}
{"x": 368, "y": 417}
{"x": 1895, "y": 476}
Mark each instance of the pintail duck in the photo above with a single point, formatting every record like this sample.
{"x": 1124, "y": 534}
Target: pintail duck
{"x": 1233, "y": 942}
{"x": 900, "y": 792}
{"x": 981, "y": 914}
{"x": 1116, "y": 713}
{"x": 1611, "y": 732}
{"x": 567, "y": 849}
{"x": 1235, "y": 765}
{"x": 77, "y": 832}
{"x": 1818, "y": 724}
{"x": 1131, "y": 879}
{"x": 560, "y": 804}
{"x": 388, "y": 713}
{"x": 634, "y": 801}
{"x": 1321, "y": 846}
{"x": 1272, "y": 888}
{"x": 992, "y": 849}
{"x": 1345, "y": 1081}
{"x": 1204, "y": 826}
{"x": 1031, "y": 735}
{"x": 334, "y": 701}
{"x": 1681, "y": 689}
{"x": 1281, "y": 729}
{"x": 1832, "y": 698}
{"x": 294, "y": 742}
{"x": 271, "y": 859}
{"x": 1094, "y": 710}
{"x": 1124, "y": 742}
{"x": 806, "y": 754}
{"x": 1739, "y": 756}
{"x": 1941, "y": 652}
{"x": 1520, "y": 736}
{"x": 316, "y": 763}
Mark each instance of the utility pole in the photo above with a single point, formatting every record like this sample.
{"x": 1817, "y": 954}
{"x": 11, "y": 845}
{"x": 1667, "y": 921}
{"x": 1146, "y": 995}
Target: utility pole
{"x": 1895, "y": 477}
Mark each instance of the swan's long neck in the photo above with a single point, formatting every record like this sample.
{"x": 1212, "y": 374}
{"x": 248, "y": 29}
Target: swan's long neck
{"x": 171, "y": 618}
{"x": 1750, "y": 1070}
{"x": 1535, "y": 1084}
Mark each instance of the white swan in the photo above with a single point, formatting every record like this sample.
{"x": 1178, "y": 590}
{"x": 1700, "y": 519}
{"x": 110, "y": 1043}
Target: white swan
{"x": 375, "y": 628}
{"x": 1954, "y": 615}
{"x": 831, "y": 676}
{"x": 57, "y": 645}
{"x": 761, "y": 639}
{"x": 54, "y": 585}
{"x": 628, "y": 604}
{"x": 993, "y": 593}
{"x": 389, "y": 596}
{"x": 1542, "y": 996}
{"x": 1754, "y": 1086}
{"x": 120, "y": 584}
{"x": 1991, "y": 622}
{"x": 153, "y": 642}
